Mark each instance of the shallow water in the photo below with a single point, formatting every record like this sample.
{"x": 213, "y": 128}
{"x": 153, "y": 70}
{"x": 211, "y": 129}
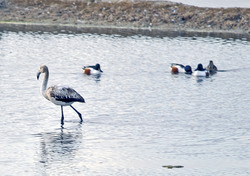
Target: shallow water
{"x": 138, "y": 117}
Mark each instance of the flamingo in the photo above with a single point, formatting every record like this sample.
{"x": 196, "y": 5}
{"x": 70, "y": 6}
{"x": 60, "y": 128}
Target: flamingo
{"x": 59, "y": 95}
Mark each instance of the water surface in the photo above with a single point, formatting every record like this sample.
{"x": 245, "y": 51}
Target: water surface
{"x": 138, "y": 117}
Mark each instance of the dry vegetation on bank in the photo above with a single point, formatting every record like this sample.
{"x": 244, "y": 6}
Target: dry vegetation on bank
{"x": 164, "y": 15}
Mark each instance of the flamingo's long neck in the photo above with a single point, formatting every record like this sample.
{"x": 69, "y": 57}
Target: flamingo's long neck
{"x": 44, "y": 84}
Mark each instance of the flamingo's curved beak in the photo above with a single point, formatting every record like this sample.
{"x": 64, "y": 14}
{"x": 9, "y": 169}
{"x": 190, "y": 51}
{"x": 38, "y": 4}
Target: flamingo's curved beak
{"x": 38, "y": 75}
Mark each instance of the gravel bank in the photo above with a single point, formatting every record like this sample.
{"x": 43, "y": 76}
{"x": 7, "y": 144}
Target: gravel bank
{"x": 125, "y": 14}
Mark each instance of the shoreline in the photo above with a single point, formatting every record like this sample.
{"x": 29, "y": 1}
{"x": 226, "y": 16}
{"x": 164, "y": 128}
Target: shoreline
{"x": 136, "y": 16}
{"x": 123, "y": 31}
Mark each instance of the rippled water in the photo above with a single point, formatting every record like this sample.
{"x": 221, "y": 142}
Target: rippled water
{"x": 138, "y": 117}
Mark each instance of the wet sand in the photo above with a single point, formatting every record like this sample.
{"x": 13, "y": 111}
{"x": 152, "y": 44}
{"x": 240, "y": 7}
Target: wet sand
{"x": 161, "y": 16}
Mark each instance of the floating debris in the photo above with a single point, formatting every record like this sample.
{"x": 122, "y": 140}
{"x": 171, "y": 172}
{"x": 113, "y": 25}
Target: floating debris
{"x": 171, "y": 166}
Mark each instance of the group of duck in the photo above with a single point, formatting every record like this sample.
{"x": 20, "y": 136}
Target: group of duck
{"x": 199, "y": 71}
{"x": 175, "y": 69}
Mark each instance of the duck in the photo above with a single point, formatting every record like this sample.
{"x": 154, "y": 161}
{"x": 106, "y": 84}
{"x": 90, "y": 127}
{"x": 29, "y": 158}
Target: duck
{"x": 92, "y": 70}
{"x": 211, "y": 67}
{"x": 200, "y": 71}
{"x": 179, "y": 68}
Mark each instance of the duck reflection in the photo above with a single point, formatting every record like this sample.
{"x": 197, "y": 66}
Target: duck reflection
{"x": 60, "y": 145}
{"x": 199, "y": 79}
{"x": 96, "y": 77}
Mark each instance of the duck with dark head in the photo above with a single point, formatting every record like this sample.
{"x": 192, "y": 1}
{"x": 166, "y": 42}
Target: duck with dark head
{"x": 179, "y": 68}
{"x": 200, "y": 71}
{"x": 92, "y": 69}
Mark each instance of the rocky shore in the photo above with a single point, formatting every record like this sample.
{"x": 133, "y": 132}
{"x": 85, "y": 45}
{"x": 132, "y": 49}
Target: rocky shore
{"x": 166, "y": 16}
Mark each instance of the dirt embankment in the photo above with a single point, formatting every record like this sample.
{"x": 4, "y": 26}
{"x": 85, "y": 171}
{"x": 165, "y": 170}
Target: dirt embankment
{"x": 141, "y": 14}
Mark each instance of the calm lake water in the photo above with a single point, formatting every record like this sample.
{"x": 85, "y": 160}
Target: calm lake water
{"x": 138, "y": 117}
